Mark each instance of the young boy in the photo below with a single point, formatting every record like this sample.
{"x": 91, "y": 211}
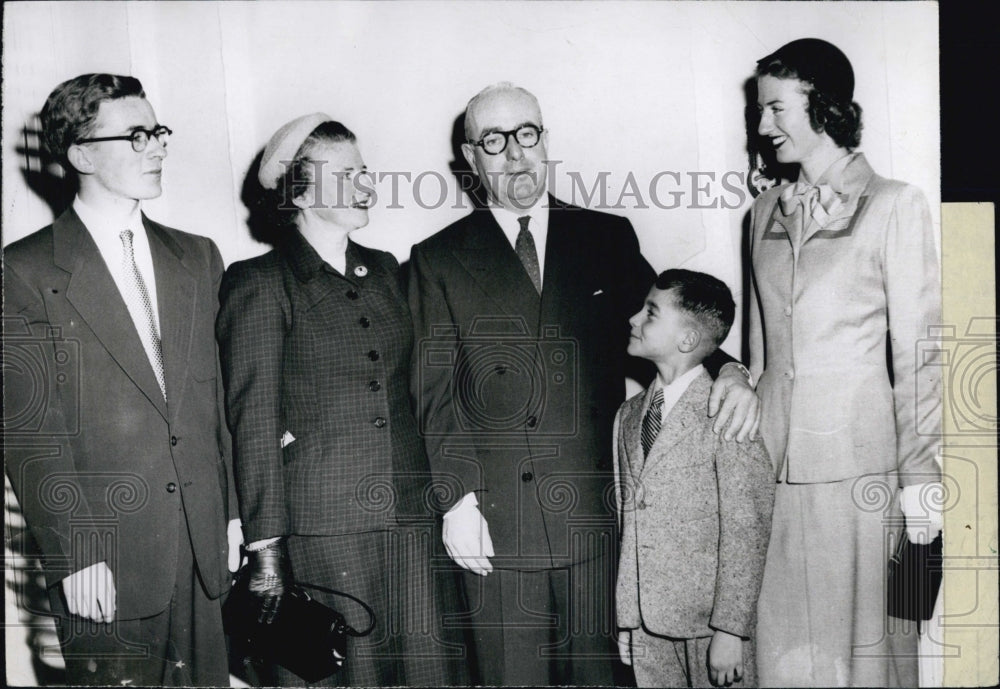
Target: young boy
{"x": 695, "y": 510}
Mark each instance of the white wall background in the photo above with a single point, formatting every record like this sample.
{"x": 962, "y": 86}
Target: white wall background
{"x": 636, "y": 87}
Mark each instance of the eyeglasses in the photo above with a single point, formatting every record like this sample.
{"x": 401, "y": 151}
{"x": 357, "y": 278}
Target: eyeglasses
{"x": 494, "y": 143}
{"x": 139, "y": 138}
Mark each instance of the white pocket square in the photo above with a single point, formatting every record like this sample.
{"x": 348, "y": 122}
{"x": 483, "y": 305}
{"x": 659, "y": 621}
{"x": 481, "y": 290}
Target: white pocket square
{"x": 287, "y": 439}
{"x": 600, "y": 291}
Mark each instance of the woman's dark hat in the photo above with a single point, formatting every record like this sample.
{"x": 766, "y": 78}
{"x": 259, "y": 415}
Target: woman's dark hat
{"x": 819, "y": 63}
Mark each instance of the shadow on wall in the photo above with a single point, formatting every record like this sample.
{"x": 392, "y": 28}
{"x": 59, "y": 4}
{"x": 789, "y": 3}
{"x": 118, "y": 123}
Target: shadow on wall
{"x": 42, "y": 173}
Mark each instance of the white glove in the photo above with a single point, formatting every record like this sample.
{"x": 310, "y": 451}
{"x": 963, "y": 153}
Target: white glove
{"x": 90, "y": 593}
{"x": 921, "y": 505}
{"x": 466, "y": 536}
{"x": 625, "y": 646}
{"x": 234, "y": 534}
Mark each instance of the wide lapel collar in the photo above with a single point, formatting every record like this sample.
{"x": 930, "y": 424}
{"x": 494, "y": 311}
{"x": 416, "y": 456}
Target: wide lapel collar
{"x": 490, "y": 259}
{"x": 687, "y": 414}
{"x": 176, "y": 298}
{"x": 849, "y": 180}
{"x": 95, "y": 296}
{"x": 561, "y": 262}
{"x": 307, "y": 266}
{"x": 631, "y": 426}
{"x": 783, "y": 227}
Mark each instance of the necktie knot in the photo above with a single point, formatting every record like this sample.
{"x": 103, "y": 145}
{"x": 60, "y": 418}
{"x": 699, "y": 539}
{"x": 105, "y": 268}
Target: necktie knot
{"x": 126, "y": 237}
{"x": 523, "y": 222}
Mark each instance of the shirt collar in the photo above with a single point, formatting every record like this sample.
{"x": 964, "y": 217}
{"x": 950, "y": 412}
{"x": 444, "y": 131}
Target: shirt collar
{"x": 99, "y": 223}
{"x": 508, "y": 219}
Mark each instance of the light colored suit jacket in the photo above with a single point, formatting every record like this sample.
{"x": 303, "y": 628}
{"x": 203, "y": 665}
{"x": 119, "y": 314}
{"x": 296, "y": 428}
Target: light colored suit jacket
{"x": 695, "y": 517}
{"x": 102, "y": 467}
{"x": 824, "y": 305}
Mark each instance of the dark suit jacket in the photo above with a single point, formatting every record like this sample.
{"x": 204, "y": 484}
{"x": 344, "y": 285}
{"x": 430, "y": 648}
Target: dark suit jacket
{"x": 326, "y": 358}
{"x": 102, "y": 467}
{"x": 516, "y": 394}
{"x": 696, "y": 517}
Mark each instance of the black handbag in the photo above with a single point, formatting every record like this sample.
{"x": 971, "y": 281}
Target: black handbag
{"x": 914, "y": 579}
{"x": 306, "y": 637}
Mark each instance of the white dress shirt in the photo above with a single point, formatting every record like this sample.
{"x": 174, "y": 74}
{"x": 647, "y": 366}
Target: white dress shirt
{"x": 538, "y": 227}
{"x": 106, "y": 233}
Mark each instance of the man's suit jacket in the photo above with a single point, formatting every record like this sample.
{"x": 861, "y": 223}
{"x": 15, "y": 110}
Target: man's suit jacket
{"x": 103, "y": 468}
{"x": 515, "y": 393}
{"x": 324, "y": 357}
{"x": 826, "y": 300}
{"x": 696, "y": 518}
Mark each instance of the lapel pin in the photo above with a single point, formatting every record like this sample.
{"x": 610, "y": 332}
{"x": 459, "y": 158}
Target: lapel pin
{"x": 360, "y": 271}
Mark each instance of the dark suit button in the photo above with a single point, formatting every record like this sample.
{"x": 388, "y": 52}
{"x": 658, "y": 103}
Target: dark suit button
{"x": 527, "y": 476}
{"x": 352, "y": 294}
{"x": 364, "y": 322}
{"x": 532, "y": 422}
{"x": 379, "y": 422}
{"x": 374, "y": 386}
{"x": 173, "y": 440}
{"x": 373, "y": 355}
{"x": 171, "y": 487}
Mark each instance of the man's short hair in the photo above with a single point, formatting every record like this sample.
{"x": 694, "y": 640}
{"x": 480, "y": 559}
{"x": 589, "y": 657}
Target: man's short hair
{"x": 704, "y": 298}
{"x": 493, "y": 88}
{"x": 71, "y": 108}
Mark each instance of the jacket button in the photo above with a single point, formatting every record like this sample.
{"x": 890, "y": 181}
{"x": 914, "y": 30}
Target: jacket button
{"x": 379, "y": 422}
{"x": 364, "y": 322}
{"x": 532, "y": 422}
{"x": 373, "y": 355}
{"x": 789, "y": 375}
{"x": 788, "y": 310}
{"x": 352, "y": 294}
{"x": 374, "y": 386}
{"x": 171, "y": 487}
{"x": 173, "y": 440}
{"x": 527, "y": 476}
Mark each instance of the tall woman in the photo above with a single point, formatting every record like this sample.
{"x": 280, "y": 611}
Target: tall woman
{"x": 332, "y": 477}
{"x": 842, "y": 260}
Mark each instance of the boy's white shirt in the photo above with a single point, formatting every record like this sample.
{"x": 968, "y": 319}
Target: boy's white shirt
{"x": 671, "y": 392}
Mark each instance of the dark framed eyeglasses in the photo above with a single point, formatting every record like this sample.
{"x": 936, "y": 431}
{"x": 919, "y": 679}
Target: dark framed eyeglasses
{"x": 139, "y": 138}
{"x": 495, "y": 143}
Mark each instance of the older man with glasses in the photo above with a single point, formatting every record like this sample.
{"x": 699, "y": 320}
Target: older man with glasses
{"x": 521, "y": 313}
{"x": 114, "y": 435}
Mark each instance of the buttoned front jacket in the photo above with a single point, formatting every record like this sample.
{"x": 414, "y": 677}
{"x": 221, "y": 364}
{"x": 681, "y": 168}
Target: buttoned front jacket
{"x": 828, "y": 301}
{"x": 104, "y": 469}
{"x": 695, "y": 517}
{"x": 316, "y": 368}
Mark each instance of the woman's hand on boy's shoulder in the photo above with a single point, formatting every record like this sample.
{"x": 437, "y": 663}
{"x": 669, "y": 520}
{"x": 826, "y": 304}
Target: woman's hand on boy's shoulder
{"x": 734, "y": 404}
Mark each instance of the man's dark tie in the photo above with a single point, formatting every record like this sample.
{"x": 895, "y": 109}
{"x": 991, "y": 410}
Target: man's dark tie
{"x": 651, "y": 422}
{"x": 525, "y": 248}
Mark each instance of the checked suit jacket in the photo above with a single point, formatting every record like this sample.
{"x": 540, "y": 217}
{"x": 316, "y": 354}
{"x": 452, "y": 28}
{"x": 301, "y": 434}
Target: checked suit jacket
{"x": 102, "y": 467}
{"x": 696, "y": 518}
{"x": 323, "y": 358}
{"x": 516, "y": 393}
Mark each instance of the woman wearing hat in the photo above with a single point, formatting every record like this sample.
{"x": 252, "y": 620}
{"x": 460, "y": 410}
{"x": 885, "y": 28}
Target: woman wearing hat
{"x": 844, "y": 263}
{"x": 333, "y": 481}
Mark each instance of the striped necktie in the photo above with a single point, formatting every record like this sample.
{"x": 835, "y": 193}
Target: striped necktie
{"x": 651, "y": 422}
{"x": 140, "y": 307}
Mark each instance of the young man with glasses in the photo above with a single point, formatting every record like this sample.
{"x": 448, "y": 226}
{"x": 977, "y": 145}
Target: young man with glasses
{"x": 124, "y": 478}
{"x": 521, "y": 313}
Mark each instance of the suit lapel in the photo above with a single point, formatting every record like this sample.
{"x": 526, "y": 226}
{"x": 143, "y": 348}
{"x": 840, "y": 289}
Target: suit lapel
{"x": 687, "y": 414}
{"x": 631, "y": 429}
{"x": 95, "y": 296}
{"x": 176, "y": 302}
{"x": 489, "y": 258}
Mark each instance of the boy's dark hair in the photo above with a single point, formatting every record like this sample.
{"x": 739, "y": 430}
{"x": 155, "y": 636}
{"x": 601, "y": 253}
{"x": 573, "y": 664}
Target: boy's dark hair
{"x": 70, "y": 110}
{"x": 704, "y": 298}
